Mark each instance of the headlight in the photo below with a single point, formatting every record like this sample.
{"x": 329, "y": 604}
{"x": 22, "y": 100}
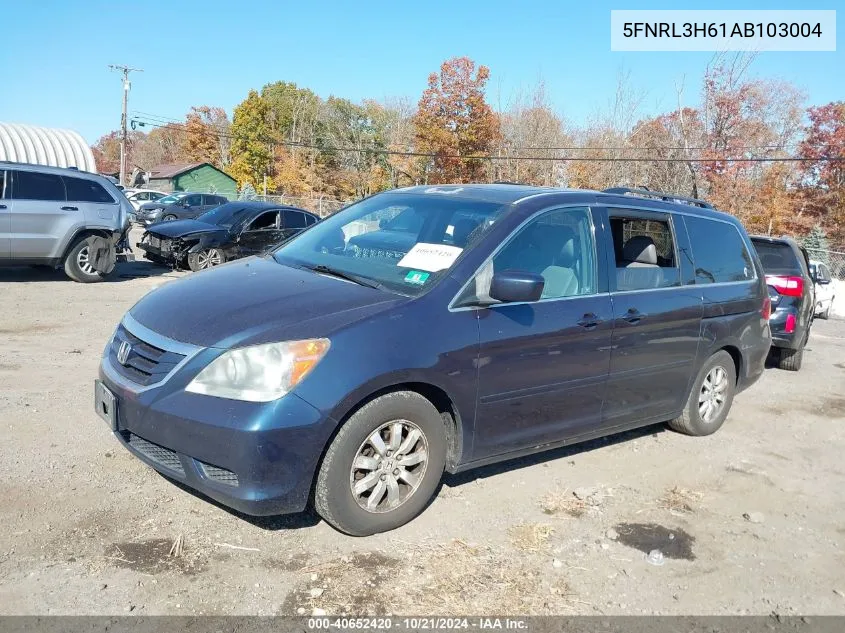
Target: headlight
{"x": 260, "y": 373}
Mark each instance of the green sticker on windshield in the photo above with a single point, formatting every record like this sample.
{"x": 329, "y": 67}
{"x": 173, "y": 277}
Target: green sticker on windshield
{"x": 416, "y": 277}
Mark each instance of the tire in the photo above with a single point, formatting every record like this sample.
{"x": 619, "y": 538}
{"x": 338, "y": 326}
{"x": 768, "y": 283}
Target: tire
{"x": 693, "y": 420}
{"x": 826, "y": 314}
{"x": 790, "y": 359}
{"x": 206, "y": 258}
{"x": 334, "y": 498}
{"x": 168, "y": 218}
{"x": 76, "y": 263}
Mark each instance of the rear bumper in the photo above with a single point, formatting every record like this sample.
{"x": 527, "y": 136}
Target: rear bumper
{"x": 782, "y": 338}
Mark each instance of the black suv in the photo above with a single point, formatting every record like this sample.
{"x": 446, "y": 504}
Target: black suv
{"x": 787, "y": 267}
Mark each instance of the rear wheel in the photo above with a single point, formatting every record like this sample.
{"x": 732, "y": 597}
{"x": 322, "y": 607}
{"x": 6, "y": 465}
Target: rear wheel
{"x": 206, "y": 258}
{"x": 383, "y": 467}
{"x": 789, "y": 359}
{"x": 710, "y": 398}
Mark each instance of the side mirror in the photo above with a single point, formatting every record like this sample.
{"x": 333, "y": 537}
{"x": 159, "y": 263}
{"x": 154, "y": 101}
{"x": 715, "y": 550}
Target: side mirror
{"x": 512, "y": 286}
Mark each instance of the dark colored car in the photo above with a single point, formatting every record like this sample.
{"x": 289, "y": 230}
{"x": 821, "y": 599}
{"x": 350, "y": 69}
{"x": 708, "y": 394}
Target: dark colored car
{"x": 230, "y": 231}
{"x": 519, "y": 319}
{"x": 178, "y": 206}
{"x": 787, "y": 267}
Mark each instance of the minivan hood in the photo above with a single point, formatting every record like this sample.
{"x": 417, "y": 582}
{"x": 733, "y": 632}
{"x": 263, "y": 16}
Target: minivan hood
{"x": 256, "y": 300}
{"x": 181, "y": 228}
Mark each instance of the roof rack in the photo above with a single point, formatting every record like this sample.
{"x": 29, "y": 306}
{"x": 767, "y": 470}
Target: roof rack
{"x": 657, "y": 195}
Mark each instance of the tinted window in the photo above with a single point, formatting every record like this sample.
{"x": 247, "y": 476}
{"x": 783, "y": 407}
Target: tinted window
{"x": 154, "y": 196}
{"x": 194, "y": 201}
{"x": 30, "y": 185}
{"x": 81, "y": 190}
{"x": 644, "y": 250}
{"x": 558, "y": 245}
{"x": 719, "y": 252}
{"x": 294, "y": 220}
{"x": 310, "y": 219}
{"x": 777, "y": 258}
{"x": 4, "y": 193}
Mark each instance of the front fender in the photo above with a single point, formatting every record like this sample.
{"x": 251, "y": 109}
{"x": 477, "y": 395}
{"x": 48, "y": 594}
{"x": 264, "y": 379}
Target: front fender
{"x": 204, "y": 242}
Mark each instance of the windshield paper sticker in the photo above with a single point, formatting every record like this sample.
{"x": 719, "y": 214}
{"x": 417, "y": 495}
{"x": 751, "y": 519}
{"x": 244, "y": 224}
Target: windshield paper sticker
{"x": 430, "y": 257}
{"x": 416, "y": 277}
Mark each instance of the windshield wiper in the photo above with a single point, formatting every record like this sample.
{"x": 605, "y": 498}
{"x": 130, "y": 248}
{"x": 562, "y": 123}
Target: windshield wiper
{"x": 334, "y": 272}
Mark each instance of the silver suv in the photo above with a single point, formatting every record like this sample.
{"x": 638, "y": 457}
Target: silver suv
{"x": 62, "y": 217}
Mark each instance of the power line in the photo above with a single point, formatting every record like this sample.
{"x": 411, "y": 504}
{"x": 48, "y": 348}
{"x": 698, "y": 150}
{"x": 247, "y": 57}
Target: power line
{"x": 625, "y": 159}
{"x": 168, "y": 120}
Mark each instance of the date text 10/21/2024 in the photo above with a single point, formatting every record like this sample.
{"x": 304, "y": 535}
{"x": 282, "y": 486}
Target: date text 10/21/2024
{"x": 416, "y": 623}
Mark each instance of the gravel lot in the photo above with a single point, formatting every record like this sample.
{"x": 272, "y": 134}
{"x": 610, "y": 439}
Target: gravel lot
{"x": 750, "y": 521}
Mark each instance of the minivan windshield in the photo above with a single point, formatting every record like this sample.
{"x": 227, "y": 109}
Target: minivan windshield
{"x": 403, "y": 242}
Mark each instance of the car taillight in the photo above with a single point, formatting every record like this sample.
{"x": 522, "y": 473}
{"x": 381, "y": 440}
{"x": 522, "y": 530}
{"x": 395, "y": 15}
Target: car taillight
{"x": 788, "y": 286}
{"x": 767, "y": 308}
{"x": 789, "y": 328}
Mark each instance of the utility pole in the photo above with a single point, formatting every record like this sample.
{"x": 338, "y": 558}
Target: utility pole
{"x": 125, "y": 70}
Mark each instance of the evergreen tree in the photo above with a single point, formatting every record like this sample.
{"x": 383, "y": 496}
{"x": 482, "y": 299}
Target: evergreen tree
{"x": 816, "y": 243}
{"x": 247, "y": 192}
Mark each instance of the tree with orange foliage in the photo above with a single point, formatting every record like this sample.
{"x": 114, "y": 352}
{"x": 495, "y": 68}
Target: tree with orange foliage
{"x": 206, "y": 137}
{"x": 453, "y": 119}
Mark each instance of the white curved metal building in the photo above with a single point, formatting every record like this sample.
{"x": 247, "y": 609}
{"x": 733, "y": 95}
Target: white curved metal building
{"x": 21, "y": 143}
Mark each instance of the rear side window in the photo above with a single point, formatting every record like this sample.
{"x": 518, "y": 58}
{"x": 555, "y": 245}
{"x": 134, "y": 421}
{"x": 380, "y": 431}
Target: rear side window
{"x": 31, "y": 185}
{"x": 82, "y": 190}
{"x": 719, "y": 252}
{"x": 294, "y": 220}
{"x": 644, "y": 249}
{"x": 777, "y": 258}
{"x": 310, "y": 219}
{"x": 4, "y": 191}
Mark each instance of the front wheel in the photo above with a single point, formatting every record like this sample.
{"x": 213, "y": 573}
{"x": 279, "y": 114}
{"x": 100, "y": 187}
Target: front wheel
{"x": 206, "y": 258}
{"x": 710, "y": 398}
{"x": 168, "y": 218}
{"x": 78, "y": 262}
{"x": 383, "y": 466}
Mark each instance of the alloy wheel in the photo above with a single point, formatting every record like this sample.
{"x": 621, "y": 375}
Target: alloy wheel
{"x": 389, "y": 466}
{"x": 209, "y": 257}
{"x": 713, "y": 392}
{"x": 83, "y": 260}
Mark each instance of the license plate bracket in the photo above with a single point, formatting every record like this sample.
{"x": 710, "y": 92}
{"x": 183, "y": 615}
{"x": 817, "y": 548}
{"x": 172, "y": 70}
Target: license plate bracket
{"x": 105, "y": 404}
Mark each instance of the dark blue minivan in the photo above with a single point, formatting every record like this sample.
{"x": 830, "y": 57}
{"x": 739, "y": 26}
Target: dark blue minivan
{"x": 436, "y": 328}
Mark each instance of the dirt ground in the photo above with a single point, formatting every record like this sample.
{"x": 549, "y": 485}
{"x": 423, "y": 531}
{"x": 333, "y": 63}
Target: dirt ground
{"x": 749, "y": 521}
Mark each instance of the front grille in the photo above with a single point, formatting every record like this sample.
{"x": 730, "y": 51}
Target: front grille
{"x": 158, "y": 454}
{"x": 146, "y": 364}
{"x": 218, "y": 474}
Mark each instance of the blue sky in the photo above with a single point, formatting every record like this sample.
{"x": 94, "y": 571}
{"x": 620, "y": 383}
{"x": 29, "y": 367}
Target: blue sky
{"x": 53, "y": 62}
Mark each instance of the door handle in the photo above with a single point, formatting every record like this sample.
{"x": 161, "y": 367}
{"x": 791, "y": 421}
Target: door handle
{"x": 70, "y": 209}
{"x": 589, "y": 321}
{"x": 633, "y": 315}
{"x": 2, "y": 206}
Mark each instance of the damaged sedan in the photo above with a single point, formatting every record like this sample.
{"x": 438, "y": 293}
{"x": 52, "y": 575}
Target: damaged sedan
{"x": 230, "y": 231}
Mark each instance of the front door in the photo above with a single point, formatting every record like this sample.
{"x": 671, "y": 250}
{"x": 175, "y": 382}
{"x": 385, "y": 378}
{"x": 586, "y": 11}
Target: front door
{"x": 657, "y": 318}
{"x": 543, "y": 365}
{"x": 260, "y": 234}
{"x": 40, "y": 216}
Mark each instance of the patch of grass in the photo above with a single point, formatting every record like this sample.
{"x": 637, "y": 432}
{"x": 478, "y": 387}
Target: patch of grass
{"x": 530, "y": 537}
{"x": 451, "y": 579}
{"x": 561, "y": 503}
{"x": 679, "y": 499}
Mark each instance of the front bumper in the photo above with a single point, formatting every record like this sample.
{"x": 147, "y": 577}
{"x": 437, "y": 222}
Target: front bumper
{"x": 157, "y": 254}
{"x": 257, "y": 458}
